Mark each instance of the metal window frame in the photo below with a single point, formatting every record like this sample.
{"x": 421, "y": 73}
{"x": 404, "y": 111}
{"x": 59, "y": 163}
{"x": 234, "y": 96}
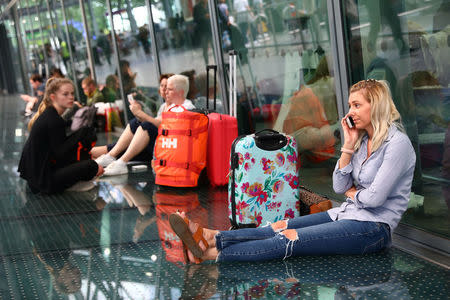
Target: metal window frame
{"x": 153, "y": 45}
{"x": 20, "y": 45}
{"x": 339, "y": 55}
{"x": 117, "y": 59}
{"x": 218, "y": 53}
{"x": 87, "y": 39}
{"x": 69, "y": 46}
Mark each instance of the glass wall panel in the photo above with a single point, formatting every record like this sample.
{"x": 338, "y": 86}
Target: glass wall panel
{"x": 79, "y": 49}
{"x": 285, "y": 77}
{"x": 137, "y": 62}
{"x": 45, "y": 35}
{"x": 12, "y": 37}
{"x": 407, "y": 44}
{"x": 66, "y": 46}
{"x": 32, "y": 29}
{"x": 184, "y": 42}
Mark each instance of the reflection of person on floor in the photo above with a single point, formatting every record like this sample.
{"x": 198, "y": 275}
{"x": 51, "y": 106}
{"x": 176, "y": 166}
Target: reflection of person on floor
{"x": 48, "y": 160}
{"x": 140, "y": 200}
{"x": 51, "y": 240}
{"x": 375, "y": 173}
{"x": 140, "y": 134}
{"x": 299, "y": 278}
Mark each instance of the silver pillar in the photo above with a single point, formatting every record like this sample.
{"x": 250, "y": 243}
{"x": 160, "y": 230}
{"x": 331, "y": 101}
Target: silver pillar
{"x": 44, "y": 53}
{"x": 217, "y": 48}
{"x": 151, "y": 29}
{"x": 69, "y": 46}
{"x": 22, "y": 57}
{"x": 55, "y": 42}
{"x": 117, "y": 58}
{"x": 338, "y": 50}
{"x": 88, "y": 41}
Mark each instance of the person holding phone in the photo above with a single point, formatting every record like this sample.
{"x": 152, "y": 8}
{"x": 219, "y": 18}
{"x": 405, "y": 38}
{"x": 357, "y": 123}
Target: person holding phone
{"x": 375, "y": 172}
{"x": 138, "y": 139}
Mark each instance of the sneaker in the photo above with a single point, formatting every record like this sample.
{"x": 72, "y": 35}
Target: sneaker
{"x": 81, "y": 186}
{"x": 105, "y": 160}
{"x": 117, "y": 167}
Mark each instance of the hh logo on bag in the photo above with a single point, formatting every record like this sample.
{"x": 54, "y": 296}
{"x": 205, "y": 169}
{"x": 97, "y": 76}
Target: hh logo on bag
{"x": 169, "y": 143}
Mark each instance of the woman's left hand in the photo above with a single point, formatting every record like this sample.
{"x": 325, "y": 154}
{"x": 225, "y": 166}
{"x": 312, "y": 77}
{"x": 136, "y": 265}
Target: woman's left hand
{"x": 350, "y": 193}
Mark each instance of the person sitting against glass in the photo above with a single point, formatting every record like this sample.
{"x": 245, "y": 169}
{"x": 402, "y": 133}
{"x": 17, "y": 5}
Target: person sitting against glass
{"x": 49, "y": 158}
{"x": 375, "y": 172}
{"x": 91, "y": 91}
{"x": 111, "y": 89}
{"x": 138, "y": 138}
{"x": 38, "y": 85}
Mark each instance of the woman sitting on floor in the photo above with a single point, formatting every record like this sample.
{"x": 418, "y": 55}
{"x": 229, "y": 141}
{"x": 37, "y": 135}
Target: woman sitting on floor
{"x": 138, "y": 139}
{"x": 375, "y": 173}
{"x": 49, "y": 157}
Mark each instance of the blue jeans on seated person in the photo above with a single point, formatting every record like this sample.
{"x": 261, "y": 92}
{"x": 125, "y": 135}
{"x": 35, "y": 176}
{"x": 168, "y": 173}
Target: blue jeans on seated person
{"x": 146, "y": 154}
{"x": 318, "y": 234}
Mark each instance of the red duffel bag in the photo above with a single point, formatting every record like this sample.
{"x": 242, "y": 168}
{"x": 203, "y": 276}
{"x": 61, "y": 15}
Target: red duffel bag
{"x": 180, "y": 148}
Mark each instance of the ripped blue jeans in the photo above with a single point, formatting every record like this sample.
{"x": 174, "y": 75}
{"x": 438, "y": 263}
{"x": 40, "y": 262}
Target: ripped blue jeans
{"x": 317, "y": 234}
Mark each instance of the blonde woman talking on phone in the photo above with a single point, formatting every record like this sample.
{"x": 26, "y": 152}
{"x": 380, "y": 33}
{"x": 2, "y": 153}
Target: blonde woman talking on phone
{"x": 375, "y": 172}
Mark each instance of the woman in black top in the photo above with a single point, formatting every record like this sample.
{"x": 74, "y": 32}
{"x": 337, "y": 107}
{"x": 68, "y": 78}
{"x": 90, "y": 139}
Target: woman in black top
{"x": 49, "y": 161}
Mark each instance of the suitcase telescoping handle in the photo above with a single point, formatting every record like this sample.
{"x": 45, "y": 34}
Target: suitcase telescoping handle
{"x": 233, "y": 92}
{"x": 209, "y": 67}
{"x": 269, "y": 139}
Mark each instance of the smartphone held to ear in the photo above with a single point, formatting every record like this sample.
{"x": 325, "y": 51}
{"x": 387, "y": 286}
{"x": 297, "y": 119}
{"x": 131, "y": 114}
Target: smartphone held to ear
{"x": 350, "y": 122}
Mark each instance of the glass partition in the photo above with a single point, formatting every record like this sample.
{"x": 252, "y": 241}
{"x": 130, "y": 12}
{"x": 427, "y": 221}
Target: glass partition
{"x": 406, "y": 43}
{"x": 137, "y": 62}
{"x": 285, "y": 77}
{"x": 184, "y": 43}
{"x": 12, "y": 67}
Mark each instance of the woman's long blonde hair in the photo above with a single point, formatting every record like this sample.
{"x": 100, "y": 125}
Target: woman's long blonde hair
{"x": 51, "y": 87}
{"x": 383, "y": 112}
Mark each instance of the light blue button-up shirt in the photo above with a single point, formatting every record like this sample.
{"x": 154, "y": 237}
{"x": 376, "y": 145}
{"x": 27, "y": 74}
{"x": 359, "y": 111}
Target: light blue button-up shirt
{"x": 383, "y": 181}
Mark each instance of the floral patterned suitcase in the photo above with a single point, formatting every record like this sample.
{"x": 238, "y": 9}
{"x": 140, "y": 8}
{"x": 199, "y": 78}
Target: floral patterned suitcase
{"x": 263, "y": 185}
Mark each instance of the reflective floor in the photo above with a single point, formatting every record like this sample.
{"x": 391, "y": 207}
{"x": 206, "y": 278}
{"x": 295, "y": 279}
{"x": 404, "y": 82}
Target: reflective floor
{"x": 115, "y": 242}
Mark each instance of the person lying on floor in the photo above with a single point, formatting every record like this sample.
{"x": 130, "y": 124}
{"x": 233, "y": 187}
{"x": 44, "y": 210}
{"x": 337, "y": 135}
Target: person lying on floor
{"x": 138, "y": 139}
{"x": 49, "y": 157}
{"x": 375, "y": 172}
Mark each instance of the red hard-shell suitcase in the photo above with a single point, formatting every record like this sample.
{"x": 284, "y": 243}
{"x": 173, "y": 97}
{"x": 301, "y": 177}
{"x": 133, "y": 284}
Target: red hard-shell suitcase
{"x": 222, "y": 131}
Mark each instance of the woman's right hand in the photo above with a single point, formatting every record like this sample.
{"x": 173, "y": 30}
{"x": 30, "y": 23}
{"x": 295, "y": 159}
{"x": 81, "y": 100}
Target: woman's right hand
{"x": 135, "y": 108}
{"x": 350, "y": 134}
